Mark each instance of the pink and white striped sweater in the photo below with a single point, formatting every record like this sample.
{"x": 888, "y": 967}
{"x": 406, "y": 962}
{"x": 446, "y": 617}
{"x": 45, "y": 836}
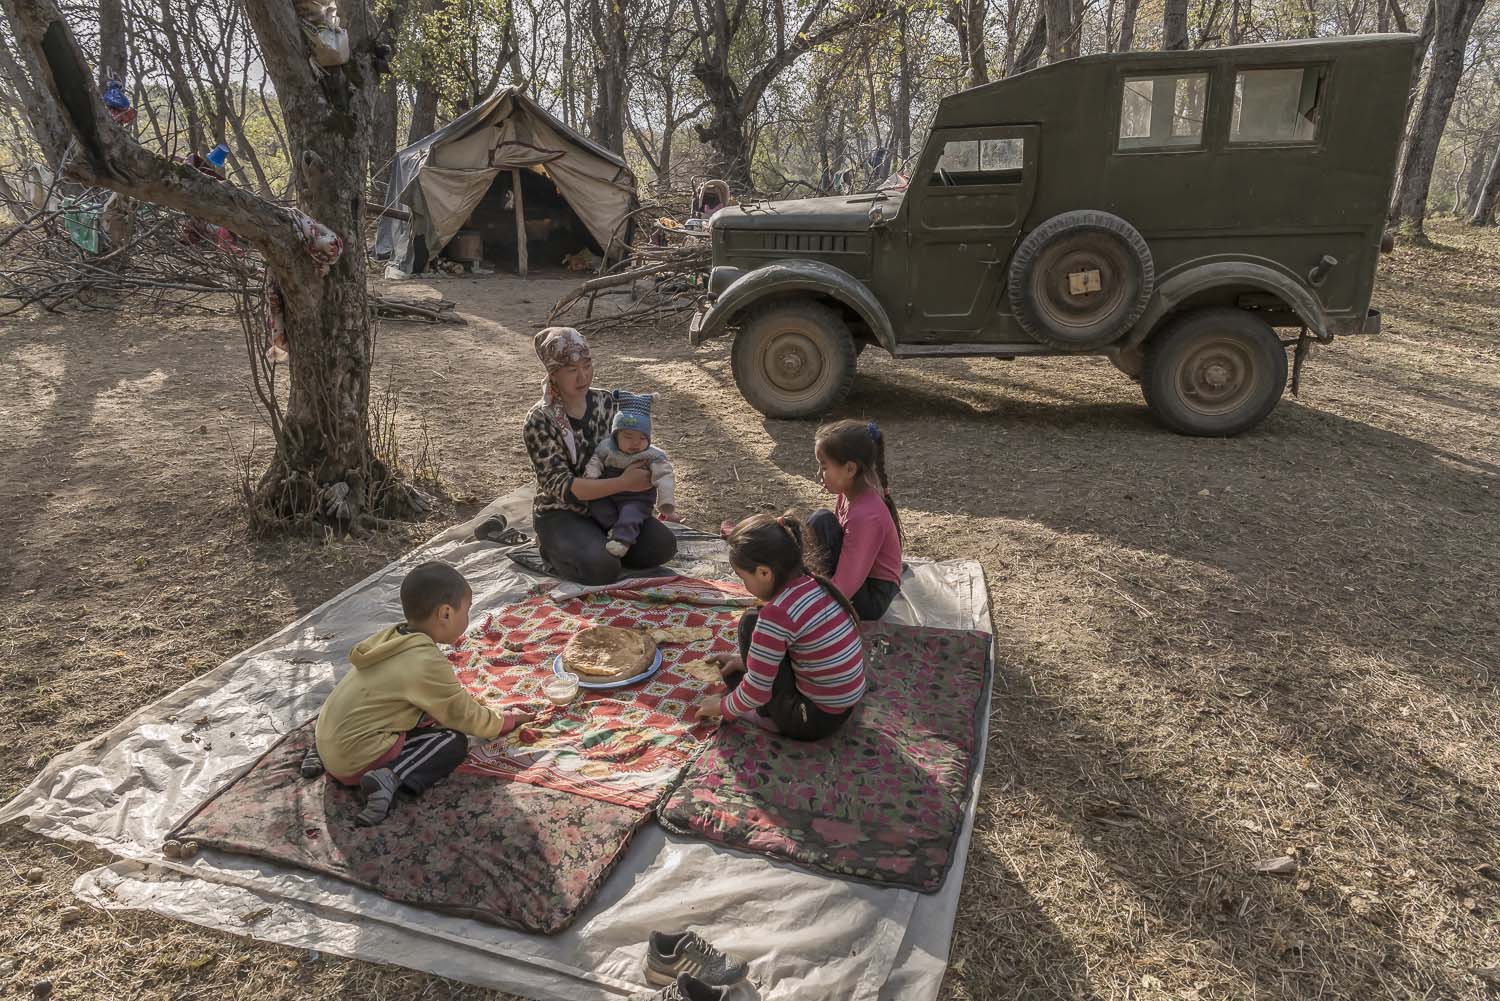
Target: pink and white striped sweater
{"x": 823, "y": 639}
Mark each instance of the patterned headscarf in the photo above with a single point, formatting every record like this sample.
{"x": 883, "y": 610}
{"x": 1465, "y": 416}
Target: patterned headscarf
{"x": 559, "y": 347}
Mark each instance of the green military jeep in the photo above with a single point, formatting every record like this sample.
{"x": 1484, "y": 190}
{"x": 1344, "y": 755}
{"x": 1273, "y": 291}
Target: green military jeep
{"x": 1169, "y": 210}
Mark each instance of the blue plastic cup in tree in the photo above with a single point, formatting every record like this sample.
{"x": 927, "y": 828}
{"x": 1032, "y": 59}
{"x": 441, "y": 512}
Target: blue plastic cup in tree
{"x": 217, "y": 155}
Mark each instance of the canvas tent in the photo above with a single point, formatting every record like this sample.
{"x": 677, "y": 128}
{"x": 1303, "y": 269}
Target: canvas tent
{"x": 468, "y": 173}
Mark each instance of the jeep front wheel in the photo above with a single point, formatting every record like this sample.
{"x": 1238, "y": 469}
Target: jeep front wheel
{"x": 1215, "y": 372}
{"x": 794, "y": 359}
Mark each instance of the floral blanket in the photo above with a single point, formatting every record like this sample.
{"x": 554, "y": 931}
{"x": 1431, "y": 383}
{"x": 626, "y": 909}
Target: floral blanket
{"x": 522, "y": 856}
{"x": 625, "y": 745}
{"x": 881, "y": 800}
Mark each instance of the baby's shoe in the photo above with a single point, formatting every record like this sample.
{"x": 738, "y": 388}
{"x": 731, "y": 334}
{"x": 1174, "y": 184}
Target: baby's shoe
{"x": 616, "y": 548}
{"x": 669, "y": 957}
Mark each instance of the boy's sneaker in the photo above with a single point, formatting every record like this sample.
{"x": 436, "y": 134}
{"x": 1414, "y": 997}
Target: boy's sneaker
{"x": 312, "y": 764}
{"x": 380, "y": 788}
{"x": 686, "y": 988}
{"x": 669, "y": 956}
{"x": 616, "y": 548}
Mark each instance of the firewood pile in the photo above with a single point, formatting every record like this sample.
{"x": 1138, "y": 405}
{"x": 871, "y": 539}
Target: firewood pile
{"x": 662, "y": 278}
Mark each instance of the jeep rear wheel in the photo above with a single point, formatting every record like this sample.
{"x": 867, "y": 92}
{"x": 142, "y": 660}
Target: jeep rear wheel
{"x": 794, "y": 359}
{"x": 1215, "y": 372}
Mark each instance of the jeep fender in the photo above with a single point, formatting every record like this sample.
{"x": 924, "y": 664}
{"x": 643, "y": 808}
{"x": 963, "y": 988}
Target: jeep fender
{"x": 1179, "y": 288}
{"x": 789, "y": 278}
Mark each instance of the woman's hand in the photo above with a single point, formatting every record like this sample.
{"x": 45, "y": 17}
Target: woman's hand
{"x": 634, "y": 480}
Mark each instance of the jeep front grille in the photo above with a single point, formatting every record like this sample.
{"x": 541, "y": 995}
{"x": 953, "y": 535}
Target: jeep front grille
{"x": 808, "y": 243}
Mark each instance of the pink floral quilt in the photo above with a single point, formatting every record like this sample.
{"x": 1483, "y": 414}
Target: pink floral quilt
{"x": 883, "y": 799}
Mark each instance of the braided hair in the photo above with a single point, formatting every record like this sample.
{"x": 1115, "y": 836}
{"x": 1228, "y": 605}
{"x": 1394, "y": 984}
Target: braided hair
{"x": 862, "y": 443}
{"x": 779, "y": 543}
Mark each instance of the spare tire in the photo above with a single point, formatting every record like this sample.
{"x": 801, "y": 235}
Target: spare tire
{"x": 1079, "y": 280}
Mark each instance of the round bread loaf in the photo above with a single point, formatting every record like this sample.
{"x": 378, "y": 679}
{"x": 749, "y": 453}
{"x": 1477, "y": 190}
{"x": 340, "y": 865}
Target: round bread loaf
{"x": 606, "y": 653}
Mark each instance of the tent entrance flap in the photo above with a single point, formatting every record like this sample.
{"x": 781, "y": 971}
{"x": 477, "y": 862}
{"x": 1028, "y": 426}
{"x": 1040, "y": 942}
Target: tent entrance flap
{"x": 553, "y": 229}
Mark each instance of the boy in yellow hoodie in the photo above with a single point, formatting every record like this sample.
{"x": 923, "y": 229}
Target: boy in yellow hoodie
{"x": 368, "y": 733}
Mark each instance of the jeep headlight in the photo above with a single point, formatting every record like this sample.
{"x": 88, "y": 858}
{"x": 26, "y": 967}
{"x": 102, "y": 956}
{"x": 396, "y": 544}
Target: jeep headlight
{"x": 720, "y": 278}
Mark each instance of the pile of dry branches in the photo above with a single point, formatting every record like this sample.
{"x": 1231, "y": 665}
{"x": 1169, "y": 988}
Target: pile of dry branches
{"x": 663, "y": 277}
{"x": 154, "y": 258}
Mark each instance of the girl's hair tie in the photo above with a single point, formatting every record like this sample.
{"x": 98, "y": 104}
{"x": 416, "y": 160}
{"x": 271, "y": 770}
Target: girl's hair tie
{"x": 874, "y": 430}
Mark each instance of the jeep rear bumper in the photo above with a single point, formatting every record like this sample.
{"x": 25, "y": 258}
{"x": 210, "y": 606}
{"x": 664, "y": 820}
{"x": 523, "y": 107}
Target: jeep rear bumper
{"x": 1348, "y": 326}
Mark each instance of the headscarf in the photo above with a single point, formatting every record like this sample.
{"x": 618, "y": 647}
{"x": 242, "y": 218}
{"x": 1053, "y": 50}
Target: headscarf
{"x": 559, "y": 347}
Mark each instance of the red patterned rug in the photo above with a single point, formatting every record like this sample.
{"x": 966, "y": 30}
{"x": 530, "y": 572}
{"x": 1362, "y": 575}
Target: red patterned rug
{"x": 626, "y": 745}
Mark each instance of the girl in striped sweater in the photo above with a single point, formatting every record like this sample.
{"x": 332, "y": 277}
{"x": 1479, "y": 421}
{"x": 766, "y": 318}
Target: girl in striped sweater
{"x": 801, "y": 667}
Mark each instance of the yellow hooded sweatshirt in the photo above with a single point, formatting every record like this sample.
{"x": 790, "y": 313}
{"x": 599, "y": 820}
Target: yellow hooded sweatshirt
{"x": 397, "y": 676}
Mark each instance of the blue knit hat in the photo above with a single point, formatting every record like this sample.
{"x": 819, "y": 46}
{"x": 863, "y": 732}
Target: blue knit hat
{"x": 634, "y": 413}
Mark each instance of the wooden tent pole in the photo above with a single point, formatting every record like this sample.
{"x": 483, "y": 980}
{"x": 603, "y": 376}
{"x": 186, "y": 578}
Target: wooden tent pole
{"x": 515, "y": 187}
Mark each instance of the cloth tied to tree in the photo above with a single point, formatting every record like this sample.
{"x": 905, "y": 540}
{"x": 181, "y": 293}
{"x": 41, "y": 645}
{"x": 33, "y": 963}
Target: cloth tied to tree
{"x": 557, "y": 348}
{"x": 321, "y": 243}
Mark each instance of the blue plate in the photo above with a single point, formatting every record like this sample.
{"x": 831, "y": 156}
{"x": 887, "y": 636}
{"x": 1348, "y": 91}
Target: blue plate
{"x": 559, "y": 670}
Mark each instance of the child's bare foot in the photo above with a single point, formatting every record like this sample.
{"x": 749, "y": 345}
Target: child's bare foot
{"x": 380, "y": 793}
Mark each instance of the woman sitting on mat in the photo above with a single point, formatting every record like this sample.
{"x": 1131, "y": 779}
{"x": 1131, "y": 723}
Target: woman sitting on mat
{"x": 801, "y": 666}
{"x": 861, "y": 537}
{"x": 561, "y": 433}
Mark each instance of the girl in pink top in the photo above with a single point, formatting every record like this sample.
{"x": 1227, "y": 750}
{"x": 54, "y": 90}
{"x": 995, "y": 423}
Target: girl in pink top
{"x": 860, "y": 538}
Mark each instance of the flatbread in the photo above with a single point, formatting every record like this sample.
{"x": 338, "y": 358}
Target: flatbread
{"x": 702, "y": 670}
{"x": 605, "y": 652}
{"x": 681, "y": 634}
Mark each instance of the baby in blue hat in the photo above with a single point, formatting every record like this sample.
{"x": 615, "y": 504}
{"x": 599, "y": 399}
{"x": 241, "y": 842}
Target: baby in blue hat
{"x": 629, "y": 444}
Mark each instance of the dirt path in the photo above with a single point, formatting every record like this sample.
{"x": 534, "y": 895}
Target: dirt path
{"x": 1213, "y": 652}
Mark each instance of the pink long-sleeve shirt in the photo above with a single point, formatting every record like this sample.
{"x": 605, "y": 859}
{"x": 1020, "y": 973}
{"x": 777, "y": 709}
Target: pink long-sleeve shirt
{"x": 872, "y": 546}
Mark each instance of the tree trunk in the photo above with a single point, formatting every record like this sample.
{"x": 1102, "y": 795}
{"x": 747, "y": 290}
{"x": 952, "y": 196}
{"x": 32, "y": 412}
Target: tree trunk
{"x": 1062, "y": 34}
{"x": 570, "y": 117}
{"x": 975, "y": 15}
{"x": 1174, "y": 25}
{"x": 113, "y": 59}
{"x": 383, "y": 130}
{"x": 423, "y": 111}
{"x": 611, "y": 73}
{"x": 1452, "y": 27}
{"x": 733, "y": 102}
{"x": 1127, "y": 25}
{"x": 1470, "y": 182}
{"x": 729, "y": 147}
{"x": 1036, "y": 43}
{"x": 901, "y": 131}
{"x": 1485, "y": 201}
{"x": 324, "y": 466}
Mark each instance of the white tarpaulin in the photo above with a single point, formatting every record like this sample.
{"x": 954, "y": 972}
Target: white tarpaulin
{"x": 810, "y": 935}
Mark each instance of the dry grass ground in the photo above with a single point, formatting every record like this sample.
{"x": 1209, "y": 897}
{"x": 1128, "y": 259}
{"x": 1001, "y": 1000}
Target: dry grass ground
{"x": 1213, "y": 652}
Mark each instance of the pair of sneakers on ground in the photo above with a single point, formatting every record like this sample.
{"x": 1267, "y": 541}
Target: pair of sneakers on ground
{"x": 688, "y": 967}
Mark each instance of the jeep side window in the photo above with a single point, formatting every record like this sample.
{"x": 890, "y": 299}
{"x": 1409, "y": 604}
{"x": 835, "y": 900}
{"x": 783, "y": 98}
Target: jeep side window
{"x": 1276, "y": 105}
{"x": 1163, "y": 111}
{"x": 980, "y": 161}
